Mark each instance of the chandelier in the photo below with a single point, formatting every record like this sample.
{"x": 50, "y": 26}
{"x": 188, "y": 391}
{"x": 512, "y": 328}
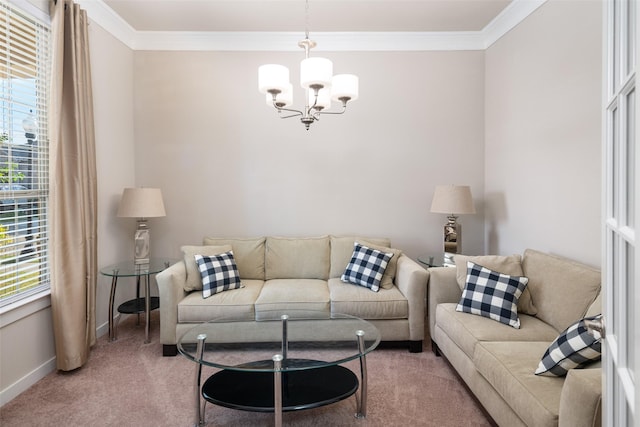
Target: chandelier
{"x": 316, "y": 77}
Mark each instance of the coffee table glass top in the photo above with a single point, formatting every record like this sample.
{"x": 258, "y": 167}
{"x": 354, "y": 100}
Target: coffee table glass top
{"x": 313, "y": 339}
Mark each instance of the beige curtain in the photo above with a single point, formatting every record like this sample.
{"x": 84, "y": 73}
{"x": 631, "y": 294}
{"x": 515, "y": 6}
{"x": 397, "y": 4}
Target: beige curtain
{"x": 73, "y": 199}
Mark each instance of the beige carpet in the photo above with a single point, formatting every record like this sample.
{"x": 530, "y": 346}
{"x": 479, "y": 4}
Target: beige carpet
{"x": 129, "y": 383}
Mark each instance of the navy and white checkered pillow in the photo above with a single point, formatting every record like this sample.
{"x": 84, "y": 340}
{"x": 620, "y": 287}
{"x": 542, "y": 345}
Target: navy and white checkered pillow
{"x": 491, "y": 294}
{"x": 366, "y": 267}
{"x": 219, "y": 273}
{"x": 573, "y": 348}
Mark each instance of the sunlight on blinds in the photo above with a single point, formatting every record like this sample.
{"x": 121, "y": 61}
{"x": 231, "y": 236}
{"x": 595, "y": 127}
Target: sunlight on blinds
{"x": 24, "y": 186}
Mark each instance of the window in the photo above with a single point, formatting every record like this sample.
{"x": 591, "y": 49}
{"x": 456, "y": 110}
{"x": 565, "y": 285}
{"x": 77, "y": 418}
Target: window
{"x": 24, "y": 187}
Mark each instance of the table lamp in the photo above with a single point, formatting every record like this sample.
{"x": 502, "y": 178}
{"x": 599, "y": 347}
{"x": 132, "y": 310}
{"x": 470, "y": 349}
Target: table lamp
{"x": 141, "y": 203}
{"x": 452, "y": 200}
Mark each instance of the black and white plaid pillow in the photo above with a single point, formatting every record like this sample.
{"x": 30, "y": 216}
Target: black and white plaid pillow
{"x": 573, "y": 348}
{"x": 219, "y": 273}
{"x": 366, "y": 267}
{"x": 492, "y": 294}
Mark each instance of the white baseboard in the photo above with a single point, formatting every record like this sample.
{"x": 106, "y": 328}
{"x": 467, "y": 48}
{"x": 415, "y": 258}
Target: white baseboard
{"x": 27, "y": 381}
{"x": 20, "y": 386}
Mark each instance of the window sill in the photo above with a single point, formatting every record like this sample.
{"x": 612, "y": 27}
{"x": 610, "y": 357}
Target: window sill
{"x": 25, "y": 307}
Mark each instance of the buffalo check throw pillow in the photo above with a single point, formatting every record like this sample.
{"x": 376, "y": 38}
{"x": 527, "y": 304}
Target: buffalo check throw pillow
{"x": 491, "y": 294}
{"x": 366, "y": 267}
{"x": 573, "y": 348}
{"x": 219, "y": 273}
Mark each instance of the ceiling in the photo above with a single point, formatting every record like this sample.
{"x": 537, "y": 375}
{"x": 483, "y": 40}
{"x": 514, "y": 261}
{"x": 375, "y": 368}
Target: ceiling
{"x": 323, "y": 15}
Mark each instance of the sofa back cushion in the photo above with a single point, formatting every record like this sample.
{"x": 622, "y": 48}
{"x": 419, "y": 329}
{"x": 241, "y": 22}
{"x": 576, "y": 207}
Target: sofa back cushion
{"x": 248, "y": 253}
{"x": 562, "y": 290}
{"x": 297, "y": 258}
{"x": 194, "y": 279}
{"x": 596, "y": 307}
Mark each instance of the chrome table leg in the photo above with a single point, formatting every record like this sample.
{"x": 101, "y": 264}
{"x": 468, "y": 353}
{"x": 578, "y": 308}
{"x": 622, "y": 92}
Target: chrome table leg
{"x": 199, "y": 418}
{"x": 147, "y": 309}
{"x": 112, "y": 297}
{"x": 277, "y": 389}
{"x": 362, "y": 401}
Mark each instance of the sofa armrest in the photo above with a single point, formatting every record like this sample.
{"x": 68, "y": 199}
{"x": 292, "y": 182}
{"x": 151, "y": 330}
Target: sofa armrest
{"x": 171, "y": 291}
{"x": 443, "y": 288}
{"x": 581, "y": 399}
{"x": 411, "y": 280}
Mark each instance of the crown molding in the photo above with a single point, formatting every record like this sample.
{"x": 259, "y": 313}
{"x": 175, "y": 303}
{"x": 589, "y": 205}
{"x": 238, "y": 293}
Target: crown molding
{"x": 108, "y": 19}
{"x": 510, "y": 17}
{"x": 288, "y": 41}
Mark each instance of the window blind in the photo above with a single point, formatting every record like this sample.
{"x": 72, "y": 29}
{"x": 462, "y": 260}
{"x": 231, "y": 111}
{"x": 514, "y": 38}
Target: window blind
{"x": 24, "y": 175}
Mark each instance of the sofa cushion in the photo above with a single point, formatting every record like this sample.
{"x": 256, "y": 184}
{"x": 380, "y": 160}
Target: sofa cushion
{"x": 194, "y": 279}
{"x": 248, "y": 252}
{"x": 342, "y": 249}
{"x": 562, "y": 290}
{"x": 236, "y": 305}
{"x": 293, "y": 294}
{"x": 366, "y": 267}
{"x": 360, "y": 302}
{"x": 219, "y": 273}
{"x": 508, "y": 367}
{"x": 297, "y": 258}
{"x": 511, "y": 265}
{"x": 573, "y": 348}
{"x": 466, "y": 330}
{"x": 491, "y": 294}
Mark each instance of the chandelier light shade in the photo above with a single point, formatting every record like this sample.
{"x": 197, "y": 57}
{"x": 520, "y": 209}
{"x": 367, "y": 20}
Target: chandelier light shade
{"x": 141, "y": 203}
{"x": 316, "y": 73}
{"x": 273, "y": 77}
{"x": 344, "y": 86}
{"x": 323, "y": 101}
{"x": 316, "y": 77}
{"x": 452, "y": 200}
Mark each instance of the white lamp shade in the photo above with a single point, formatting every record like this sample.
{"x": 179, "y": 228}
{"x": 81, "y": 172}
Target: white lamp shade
{"x": 324, "y": 98}
{"x": 273, "y": 77}
{"x": 452, "y": 199}
{"x": 316, "y": 71}
{"x": 344, "y": 86}
{"x": 141, "y": 203}
{"x": 284, "y": 99}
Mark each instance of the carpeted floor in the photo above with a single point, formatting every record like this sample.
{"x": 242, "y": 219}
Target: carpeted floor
{"x": 129, "y": 383}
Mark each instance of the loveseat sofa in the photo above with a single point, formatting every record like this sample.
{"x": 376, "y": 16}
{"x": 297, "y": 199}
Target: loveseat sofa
{"x": 281, "y": 273}
{"x": 498, "y": 362}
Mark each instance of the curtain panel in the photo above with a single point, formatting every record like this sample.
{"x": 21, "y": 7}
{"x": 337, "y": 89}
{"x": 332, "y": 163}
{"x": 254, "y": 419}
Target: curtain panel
{"x": 73, "y": 188}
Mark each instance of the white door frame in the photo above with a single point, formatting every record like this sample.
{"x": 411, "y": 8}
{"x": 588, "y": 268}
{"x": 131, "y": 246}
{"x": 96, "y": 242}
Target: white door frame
{"x": 621, "y": 204}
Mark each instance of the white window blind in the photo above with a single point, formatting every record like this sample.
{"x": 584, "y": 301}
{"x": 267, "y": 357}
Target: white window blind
{"x": 24, "y": 186}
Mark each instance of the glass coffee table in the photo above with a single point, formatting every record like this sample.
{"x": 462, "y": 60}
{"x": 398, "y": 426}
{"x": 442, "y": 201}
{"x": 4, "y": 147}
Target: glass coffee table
{"x": 285, "y": 361}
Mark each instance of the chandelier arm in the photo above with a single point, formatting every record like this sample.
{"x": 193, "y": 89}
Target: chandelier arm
{"x": 344, "y": 108}
{"x": 310, "y": 110}
{"x": 291, "y": 110}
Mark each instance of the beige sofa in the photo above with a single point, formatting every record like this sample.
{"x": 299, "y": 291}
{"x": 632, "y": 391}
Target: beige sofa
{"x": 497, "y": 361}
{"x": 295, "y": 273}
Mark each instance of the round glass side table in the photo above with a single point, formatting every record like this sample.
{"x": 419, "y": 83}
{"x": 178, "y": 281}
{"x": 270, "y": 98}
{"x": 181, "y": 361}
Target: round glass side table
{"x": 138, "y": 305}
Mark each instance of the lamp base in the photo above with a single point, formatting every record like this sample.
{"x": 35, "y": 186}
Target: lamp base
{"x": 141, "y": 239}
{"x": 452, "y": 240}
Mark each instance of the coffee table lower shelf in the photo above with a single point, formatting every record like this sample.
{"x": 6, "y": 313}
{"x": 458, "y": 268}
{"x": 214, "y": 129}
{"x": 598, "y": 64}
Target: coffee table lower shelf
{"x": 301, "y": 389}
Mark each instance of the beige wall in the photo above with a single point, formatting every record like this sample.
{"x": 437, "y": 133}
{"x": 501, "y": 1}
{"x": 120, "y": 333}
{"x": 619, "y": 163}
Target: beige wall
{"x": 543, "y": 132}
{"x": 112, "y": 72}
{"x": 227, "y": 165}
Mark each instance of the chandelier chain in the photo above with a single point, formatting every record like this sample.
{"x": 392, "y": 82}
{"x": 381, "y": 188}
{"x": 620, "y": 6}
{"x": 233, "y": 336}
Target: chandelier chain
{"x": 306, "y": 19}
